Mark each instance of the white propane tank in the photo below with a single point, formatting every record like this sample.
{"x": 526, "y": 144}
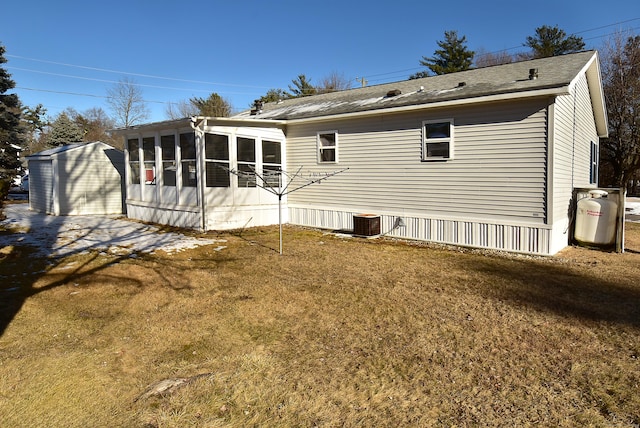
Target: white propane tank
{"x": 596, "y": 219}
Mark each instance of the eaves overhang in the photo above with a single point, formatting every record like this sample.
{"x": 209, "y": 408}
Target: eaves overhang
{"x": 197, "y": 121}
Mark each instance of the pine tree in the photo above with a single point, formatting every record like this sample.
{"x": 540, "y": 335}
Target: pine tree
{"x": 552, "y": 41}
{"x": 453, "y": 56}
{"x": 12, "y": 136}
{"x": 64, "y": 131}
{"x": 214, "y": 106}
{"x": 301, "y": 87}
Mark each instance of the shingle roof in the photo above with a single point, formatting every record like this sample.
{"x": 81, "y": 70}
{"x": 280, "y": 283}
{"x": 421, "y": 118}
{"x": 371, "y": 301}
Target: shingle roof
{"x": 552, "y": 73}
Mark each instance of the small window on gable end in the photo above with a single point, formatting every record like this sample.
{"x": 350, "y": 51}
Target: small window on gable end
{"x": 437, "y": 140}
{"x": 593, "y": 167}
{"x": 327, "y": 143}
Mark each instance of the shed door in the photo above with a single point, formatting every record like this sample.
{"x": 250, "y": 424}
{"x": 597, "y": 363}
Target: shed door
{"x": 41, "y": 186}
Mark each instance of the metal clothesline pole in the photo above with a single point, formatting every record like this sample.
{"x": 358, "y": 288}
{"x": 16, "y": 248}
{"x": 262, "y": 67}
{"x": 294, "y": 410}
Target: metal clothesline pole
{"x": 282, "y": 191}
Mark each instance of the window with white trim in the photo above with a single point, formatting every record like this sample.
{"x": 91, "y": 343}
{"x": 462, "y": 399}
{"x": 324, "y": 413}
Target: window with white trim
{"x": 168, "y": 147}
{"x": 216, "y": 154}
{"x": 593, "y": 167}
{"x": 246, "y": 152}
{"x": 134, "y": 160}
{"x": 437, "y": 140}
{"x": 188, "y": 160}
{"x": 271, "y": 163}
{"x": 327, "y": 143}
{"x": 149, "y": 159}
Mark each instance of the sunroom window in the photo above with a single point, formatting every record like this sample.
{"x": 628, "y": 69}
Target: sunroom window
{"x": 168, "y": 146}
{"x": 216, "y": 153}
{"x": 271, "y": 163}
{"x": 327, "y": 143}
{"x": 188, "y": 160}
{"x": 149, "y": 158}
{"x": 437, "y": 140}
{"x": 246, "y": 162}
{"x": 134, "y": 160}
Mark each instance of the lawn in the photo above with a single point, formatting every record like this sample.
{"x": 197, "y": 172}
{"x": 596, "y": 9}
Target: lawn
{"x": 336, "y": 332}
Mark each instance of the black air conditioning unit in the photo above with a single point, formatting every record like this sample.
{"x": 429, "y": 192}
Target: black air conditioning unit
{"x": 366, "y": 225}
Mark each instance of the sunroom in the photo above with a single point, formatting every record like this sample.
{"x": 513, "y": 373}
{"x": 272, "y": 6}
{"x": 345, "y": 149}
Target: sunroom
{"x": 204, "y": 173}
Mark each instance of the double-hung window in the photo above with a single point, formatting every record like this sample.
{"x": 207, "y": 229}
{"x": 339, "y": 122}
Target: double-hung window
{"x": 188, "y": 159}
{"x": 168, "y": 146}
{"x": 134, "y": 160}
{"x": 216, "y": 153}
{"x": 327, "y": 143}
{"x": 271, "y": 163}
{"x": 246, "y": 162}
{"x": 149, "y": 153}
{"x": 437, "y": 140}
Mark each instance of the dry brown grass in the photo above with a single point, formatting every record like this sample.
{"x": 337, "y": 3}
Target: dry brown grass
{"x": 336, "y": 332}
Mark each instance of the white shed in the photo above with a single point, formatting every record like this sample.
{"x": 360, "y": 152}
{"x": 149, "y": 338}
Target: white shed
{"x": 77, "y": 179}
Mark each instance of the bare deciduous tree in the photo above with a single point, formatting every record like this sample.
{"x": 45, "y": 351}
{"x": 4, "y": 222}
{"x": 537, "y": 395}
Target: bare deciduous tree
{"x": 487, "y": 59}
{"x": 181, "y": 109}
{"x": 127, "y": 103}
{"x": 334, "y": 82}
{"x": 620, "y": 152}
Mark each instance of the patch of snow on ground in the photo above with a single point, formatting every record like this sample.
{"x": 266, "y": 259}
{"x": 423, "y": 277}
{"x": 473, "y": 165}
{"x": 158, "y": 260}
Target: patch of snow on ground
{"x": 60, "y": 236}
{"x": 632, "y": 207}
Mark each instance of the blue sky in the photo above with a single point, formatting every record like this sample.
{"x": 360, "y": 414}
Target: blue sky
{"x": 68, "y": 53}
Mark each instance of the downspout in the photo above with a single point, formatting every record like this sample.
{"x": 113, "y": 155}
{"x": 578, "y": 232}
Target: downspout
{"x": 195, "y": 123}
{"x": 573, "y": 142}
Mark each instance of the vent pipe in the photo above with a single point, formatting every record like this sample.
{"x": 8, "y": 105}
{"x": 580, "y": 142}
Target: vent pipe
{"x": 256, "y": 108}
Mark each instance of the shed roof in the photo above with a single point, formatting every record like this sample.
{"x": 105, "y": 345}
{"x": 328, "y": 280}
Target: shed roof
{"x": 66, "y": 148}
{"x": 555, "y": 76}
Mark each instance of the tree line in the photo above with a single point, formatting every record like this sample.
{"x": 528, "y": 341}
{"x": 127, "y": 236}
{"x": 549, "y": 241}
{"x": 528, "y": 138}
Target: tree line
{"x": 28, "y": 129}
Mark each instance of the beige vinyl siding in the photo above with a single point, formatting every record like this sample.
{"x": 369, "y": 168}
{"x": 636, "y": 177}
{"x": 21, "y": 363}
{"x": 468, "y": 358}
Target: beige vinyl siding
{"x": 89, "y": 187}
{"x": 86, "y": 179}
{"x": 498, "y": 170}
{"x": 574, "y": 130}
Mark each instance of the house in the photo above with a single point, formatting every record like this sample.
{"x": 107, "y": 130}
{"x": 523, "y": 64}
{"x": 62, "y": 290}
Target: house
{"x": 77, "y": 179}
{"x": 485, "y": 158}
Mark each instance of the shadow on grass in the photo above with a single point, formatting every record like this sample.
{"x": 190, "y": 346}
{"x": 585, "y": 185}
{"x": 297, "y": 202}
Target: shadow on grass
{"x": 562, "y": 290}
{"x": 22, "y": 263}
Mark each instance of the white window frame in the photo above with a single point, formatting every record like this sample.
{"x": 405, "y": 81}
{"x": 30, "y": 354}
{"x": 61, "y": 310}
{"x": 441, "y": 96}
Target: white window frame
{"x": 320, "y": 147}
{"x": 222, "y": 163}
{"x": 149, "y": 165}
{"x": 249, "y": 180}
{"x": 594, "y": 160}
{"x": 449, "y": 140}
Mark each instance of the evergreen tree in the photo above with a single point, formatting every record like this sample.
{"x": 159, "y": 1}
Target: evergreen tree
{"x": 453, "y": 56}
{"x": 552, "y": 41}
{"x": 64, "y": 131}
{"x": 301, "y": 87}
{"x": 214, "y": 106}
{"x": 273, "y": 95}
{"x": 12, "y": 136}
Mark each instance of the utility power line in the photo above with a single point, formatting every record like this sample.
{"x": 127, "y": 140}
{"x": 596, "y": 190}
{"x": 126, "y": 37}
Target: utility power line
{"x": 128, "y": 73}
{"x": 391, "y": 73}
